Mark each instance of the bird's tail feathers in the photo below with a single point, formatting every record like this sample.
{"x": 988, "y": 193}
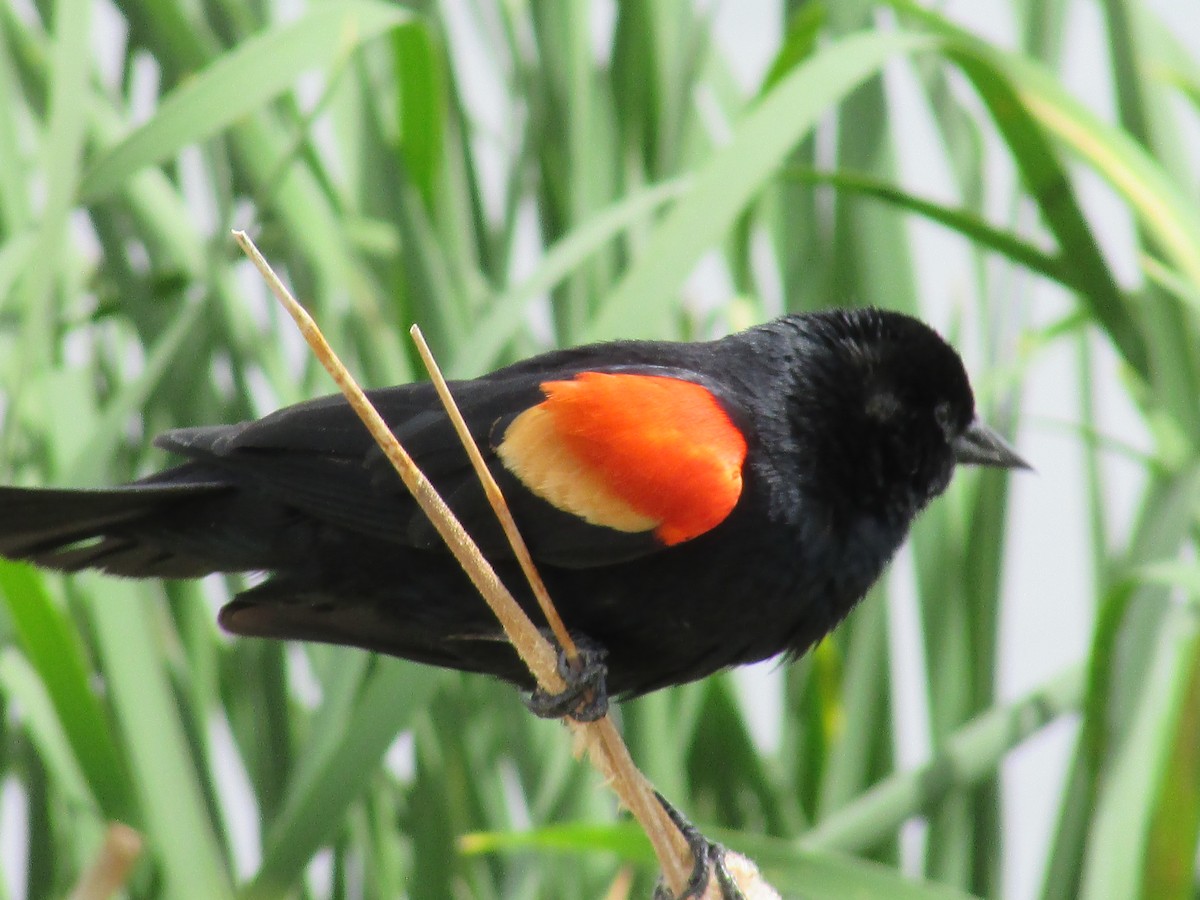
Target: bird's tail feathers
{"x": 109, "y": 529}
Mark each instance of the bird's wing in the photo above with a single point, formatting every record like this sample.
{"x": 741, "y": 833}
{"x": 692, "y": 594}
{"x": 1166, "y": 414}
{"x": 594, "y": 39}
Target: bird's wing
{"x": 597, "y": 466}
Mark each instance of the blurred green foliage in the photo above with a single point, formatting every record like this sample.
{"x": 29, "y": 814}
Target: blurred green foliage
{"x": 517, "y": 175}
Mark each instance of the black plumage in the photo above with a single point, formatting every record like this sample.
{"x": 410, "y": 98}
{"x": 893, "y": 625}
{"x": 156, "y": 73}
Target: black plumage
{"x": 853, "y": 422}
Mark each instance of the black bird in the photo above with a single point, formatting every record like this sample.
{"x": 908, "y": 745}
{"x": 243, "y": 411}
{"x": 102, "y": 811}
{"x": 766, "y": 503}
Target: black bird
{"x": 691, "y": 506}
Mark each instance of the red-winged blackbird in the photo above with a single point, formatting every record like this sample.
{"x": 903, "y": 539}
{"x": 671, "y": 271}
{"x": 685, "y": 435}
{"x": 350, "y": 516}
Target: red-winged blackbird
{"x": 690, "y": 506}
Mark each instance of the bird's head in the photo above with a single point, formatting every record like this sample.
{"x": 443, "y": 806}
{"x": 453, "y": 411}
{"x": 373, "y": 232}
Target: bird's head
{"x": 904, "y": 410}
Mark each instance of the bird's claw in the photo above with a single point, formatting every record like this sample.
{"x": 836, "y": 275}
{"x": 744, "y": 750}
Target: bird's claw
{"x": 706, "y": 855}
{"x": 585, "y": 698}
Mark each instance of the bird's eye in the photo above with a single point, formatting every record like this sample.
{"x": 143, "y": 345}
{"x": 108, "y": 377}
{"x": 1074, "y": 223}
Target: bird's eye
{"x": 945, "y": 419}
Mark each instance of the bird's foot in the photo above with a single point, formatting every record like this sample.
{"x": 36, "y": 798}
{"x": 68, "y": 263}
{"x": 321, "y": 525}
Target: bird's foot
{"x": 706, "y": 855}
{"x": 585, "y": 698}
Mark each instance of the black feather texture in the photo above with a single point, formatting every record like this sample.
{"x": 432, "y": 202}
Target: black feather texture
{"x": 853, "y": 421}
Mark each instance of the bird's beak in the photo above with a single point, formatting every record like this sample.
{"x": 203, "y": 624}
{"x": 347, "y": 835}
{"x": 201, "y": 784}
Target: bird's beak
{"x": 981, "y": 446}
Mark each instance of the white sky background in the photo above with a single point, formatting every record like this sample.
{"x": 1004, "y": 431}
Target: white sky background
{"x": 1047, "y": 617}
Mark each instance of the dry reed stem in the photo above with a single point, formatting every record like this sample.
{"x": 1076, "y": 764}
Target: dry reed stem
{"x": 110, "y": 869}
{"x": 495, "y": 497}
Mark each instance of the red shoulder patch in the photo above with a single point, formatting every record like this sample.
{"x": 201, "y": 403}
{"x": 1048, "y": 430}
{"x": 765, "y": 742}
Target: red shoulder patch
{"x": 630, "y": 452}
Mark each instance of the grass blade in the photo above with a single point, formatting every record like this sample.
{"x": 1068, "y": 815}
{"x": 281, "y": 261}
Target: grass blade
{"x": 53, "y": 648}
{"x": 238, "y": 83}
{"x": 641, "y": 301}
{"x": 177, "y": 826}
{"x": 313, "y": 808}
{"x": 963, "y": 221}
